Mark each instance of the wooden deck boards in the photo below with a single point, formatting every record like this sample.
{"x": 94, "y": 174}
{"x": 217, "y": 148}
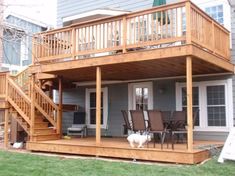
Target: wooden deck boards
{"x": 119, "y": 148}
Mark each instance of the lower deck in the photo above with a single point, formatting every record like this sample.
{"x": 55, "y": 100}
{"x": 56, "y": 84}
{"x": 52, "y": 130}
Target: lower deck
{"x": 119, "y": 148}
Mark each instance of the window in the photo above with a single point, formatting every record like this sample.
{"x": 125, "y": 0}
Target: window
{"x": 91, "y": 107}
{"x": 216, "y": 12}
{"x": 141, "y": 96}
{"x": 215, "y": 103}
{"x": 195, "y": 101}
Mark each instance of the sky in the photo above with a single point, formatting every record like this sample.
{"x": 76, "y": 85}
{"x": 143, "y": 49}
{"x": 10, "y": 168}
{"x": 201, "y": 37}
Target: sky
{"x": 40, "y": 10}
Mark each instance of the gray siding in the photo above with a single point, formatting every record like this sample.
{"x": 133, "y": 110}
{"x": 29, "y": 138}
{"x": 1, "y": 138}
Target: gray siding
{"x": 163, "y": 99}
{"x": 72, "y": 96}
{"x": 164, "y": 95}
{"x": 67, "y": 8}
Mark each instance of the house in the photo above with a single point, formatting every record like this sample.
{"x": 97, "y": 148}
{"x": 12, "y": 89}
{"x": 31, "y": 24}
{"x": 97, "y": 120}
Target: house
{"x": 218, "y": 10}
{"x": 171, "y": 57}
{"x": 233, "y": 40}
{"x": 17, "y": 45}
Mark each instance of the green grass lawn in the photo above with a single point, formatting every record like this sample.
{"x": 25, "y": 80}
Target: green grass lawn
{"x": 18, "y": 164}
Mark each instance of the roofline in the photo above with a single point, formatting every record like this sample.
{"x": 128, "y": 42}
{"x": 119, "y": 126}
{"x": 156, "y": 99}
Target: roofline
{"x": 103, "y": 11}
{"x": 38, "y": 23}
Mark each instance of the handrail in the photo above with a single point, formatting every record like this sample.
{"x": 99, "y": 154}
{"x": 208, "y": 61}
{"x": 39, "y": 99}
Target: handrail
{"x": 160, "y": 26}
{"x": 19, "y": 100}
{"x": 46, "y": 106}
{"x": 22, "y": 78}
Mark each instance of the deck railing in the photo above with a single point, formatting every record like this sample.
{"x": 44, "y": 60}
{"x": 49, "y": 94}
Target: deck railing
{"x": 25, "y": 105}
{"x": 19, "y": 100}
{"x": 168, "y": 25}
{"x": 22, "y": 79}
{"x": 46, "y": 106}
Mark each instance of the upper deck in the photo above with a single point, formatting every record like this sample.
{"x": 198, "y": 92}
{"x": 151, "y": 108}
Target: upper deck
{"x": 171, "y": 26}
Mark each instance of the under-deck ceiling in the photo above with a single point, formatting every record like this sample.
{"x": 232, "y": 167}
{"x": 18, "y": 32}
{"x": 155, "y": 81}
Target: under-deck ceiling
{"x": 141, "y": 70}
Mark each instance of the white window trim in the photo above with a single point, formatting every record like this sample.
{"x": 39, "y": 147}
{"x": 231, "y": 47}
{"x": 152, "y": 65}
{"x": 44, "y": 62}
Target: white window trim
{"x": 203, "y": 103}
{"x": 105, "y": 107}
{"x": 131, "y": 96}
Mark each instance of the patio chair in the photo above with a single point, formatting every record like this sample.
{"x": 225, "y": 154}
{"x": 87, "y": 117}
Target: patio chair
{"x": 178, "y": 126}
{"x": 138, "y": 121}
{"x": 79, "y": 125}
{"x": 166, "y": 117}
{"x": 127, "y": 125}
{"x": 156, "y": 125}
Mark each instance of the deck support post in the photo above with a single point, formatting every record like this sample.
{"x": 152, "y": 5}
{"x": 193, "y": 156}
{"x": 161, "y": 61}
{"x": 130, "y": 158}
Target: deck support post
{"x": 32, "y": 110}
{"x": 6, "y": 127}
{"x": 6, "y": 115}
{"x": 98, "y": 105}
{"x": 50, "y": 92}
{"x": 59, "y": 117}
{"x": 189, "y": 102}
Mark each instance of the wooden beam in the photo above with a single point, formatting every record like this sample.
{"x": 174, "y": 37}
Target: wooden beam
{"x": 43, "y": 76}
{"x": 32, "y": 111}
{"x": 143, "y": 55}
{"x": 98, "y": 105}
{"x": 6, "y": 127}
{"x": 59, "y": 117}
{"x": 189, "y": 102}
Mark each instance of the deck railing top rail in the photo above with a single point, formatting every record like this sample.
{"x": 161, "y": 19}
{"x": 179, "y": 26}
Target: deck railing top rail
{"x": 163, "y": 26}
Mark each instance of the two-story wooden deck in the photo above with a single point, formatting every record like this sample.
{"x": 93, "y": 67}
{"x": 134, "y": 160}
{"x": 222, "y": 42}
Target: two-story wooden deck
{"x": 174, "y": 40}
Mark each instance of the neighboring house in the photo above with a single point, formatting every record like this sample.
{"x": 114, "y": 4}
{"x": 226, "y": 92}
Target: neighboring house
{"x": 17, "y": 41}
{"x": 216, "y": 117}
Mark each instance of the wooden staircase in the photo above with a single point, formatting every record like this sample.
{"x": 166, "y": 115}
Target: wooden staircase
{"x": 33, "y": 110}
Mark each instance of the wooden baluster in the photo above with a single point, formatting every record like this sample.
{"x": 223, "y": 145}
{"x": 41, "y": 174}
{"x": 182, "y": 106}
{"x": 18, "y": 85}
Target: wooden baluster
{"x": 213, "y": 36}
{"x": 115, "y": 34}
{"x": 171, "y": 23}
{"x": 139, "y": 37}
{"x": 166, "y": 23}
{"x": 124, "y": 21}
{"x": 73, "y": 43}
{"x": 161, "y": 24}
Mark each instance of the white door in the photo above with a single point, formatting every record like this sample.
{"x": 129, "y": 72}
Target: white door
{"x": 140, "y": 96}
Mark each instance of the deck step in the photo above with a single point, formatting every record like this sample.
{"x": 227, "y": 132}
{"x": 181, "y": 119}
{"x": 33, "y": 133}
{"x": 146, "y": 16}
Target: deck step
{"x": 41, "y": 124}
{"x": 44, "y": 131}
{"x": 38, "y": 119}
{"x": 45, "y": 137}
